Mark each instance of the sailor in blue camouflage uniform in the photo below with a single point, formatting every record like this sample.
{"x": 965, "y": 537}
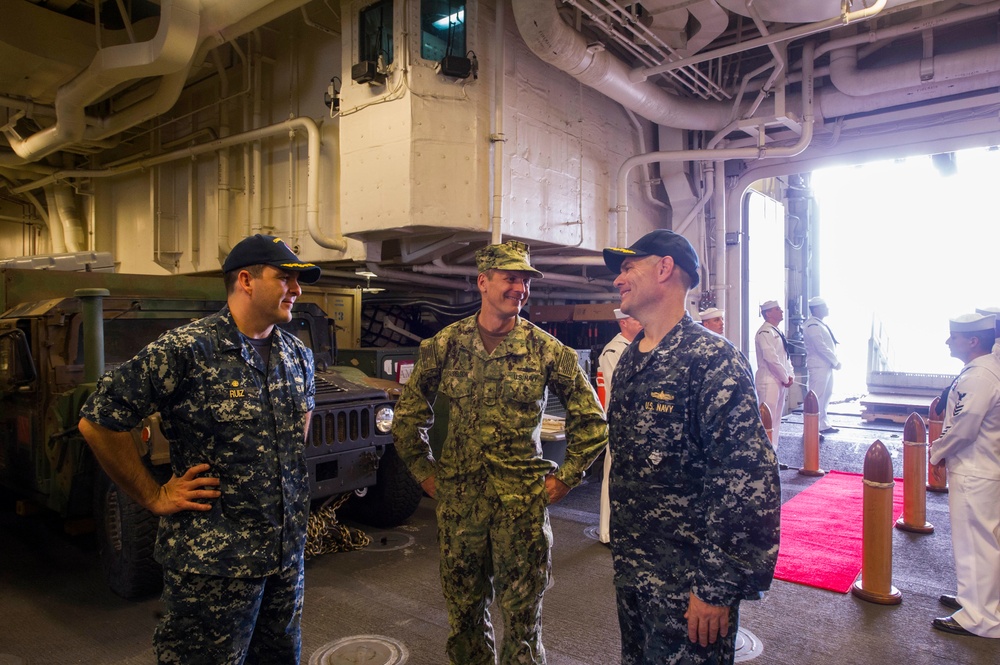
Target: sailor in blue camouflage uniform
{"x": 491, "y": 481}
{"x": 235, "y": 393}
{"x": 695, "y": 495}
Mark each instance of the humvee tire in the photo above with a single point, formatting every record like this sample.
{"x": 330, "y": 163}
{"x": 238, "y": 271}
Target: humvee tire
{"x": 393, "y": 499}
{"x": 126, "y": 535}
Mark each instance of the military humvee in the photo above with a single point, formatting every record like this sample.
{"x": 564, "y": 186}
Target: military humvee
{"x": 50, "y": 358}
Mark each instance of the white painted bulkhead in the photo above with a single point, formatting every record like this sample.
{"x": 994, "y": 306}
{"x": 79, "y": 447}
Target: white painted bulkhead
{"x": 404, "y": 160}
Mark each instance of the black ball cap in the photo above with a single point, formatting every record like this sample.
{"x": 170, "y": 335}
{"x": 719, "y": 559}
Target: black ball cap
{"x": 660, "y": 242}
{"x": 269, "y": 251}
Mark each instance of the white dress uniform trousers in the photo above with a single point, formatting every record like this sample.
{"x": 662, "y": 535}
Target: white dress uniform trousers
{"x": 774, "y": 369}
{"x": 606, "y": 364}
{"x": 970, "y": 445}
{"x": 821, "y": 360}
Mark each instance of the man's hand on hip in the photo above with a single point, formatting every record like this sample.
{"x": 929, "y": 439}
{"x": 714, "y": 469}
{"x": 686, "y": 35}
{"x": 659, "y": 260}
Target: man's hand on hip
{"x": 182, "y": 493}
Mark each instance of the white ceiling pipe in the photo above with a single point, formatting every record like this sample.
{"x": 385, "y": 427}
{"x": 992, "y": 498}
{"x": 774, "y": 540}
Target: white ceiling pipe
{"x": 834, "y": 104}
{"x": 338, "y": 243}
{"x": 758, "y": 152}
{"x": 850, "y": 80}
{"x": 873, "y": 34}
{"x": 56, "y": 236}
{"x": 548, "y": 36}
{"x": 709, "y": 179}
{"x": 69, "y": 216}
{"x": 168, "y": 51}
{"x": 642, "y": 73}
{"x": 167, "y": 93}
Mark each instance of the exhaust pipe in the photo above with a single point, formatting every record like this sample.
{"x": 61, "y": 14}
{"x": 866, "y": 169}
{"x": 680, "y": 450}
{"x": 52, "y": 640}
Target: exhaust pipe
{"x": 92, "y": 305}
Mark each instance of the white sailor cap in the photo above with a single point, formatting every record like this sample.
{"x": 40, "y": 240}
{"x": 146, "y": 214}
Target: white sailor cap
{"x": 988, "y": 310}
{"x": 769, "y": 304}
{"x": 711, "y": 313}
{"x": 816, "y": 301}
{"x": 620, "y": 314}
{"x": 967, "y": 323}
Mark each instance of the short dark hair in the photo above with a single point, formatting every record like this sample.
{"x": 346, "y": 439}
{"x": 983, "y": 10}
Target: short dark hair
{"x": 229, "y": 279}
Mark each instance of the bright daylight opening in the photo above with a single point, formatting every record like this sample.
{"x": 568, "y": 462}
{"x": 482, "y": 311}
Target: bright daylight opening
{"x": 906, "y": 246}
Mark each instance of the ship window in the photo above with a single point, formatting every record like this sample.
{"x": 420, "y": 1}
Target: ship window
{"x": 442, "y": 29}
{"x": 375, "y": 36}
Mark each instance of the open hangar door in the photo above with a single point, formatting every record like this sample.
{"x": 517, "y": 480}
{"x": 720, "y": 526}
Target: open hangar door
{"x": 895, "y": 245}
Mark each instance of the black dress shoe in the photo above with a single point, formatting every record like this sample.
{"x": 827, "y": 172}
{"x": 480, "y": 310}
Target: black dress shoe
{"x": 950, "y": 601}
{"x": 949, "y": 625}
{"x": 829, "y": 430}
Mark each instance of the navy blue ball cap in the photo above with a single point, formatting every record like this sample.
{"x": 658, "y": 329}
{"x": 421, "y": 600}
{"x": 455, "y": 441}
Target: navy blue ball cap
{"x": 269, "y": 251}
{"x": 660, "y": 242}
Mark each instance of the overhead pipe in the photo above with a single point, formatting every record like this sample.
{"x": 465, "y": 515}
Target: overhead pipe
{"x": 640, "y": 74}
{"x": 69, "y": 216}
{"x": 170, "y": 50}
{"x": 922, "y": 24}
{"x": 717, "y": 154}
{"x": 338, "y": 243}
{"x": 56, "y": 231}
{"x": 709, "y": 178}
{"x": 648, "y": 179}
{"x": 548, "y": 36}
{"x": 850, "y": 80}
{"x": 780, "y": 60}
{"x": 721, "y": 219}
{"x": 497, "y": 139}
{"x": 834, "y": 104}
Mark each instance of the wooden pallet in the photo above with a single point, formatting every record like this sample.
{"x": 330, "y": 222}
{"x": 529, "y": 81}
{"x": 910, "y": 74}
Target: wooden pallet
{"x": 896, "y": 408}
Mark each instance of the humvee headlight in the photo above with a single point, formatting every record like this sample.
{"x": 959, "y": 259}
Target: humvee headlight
{"x": 383, "y": 419}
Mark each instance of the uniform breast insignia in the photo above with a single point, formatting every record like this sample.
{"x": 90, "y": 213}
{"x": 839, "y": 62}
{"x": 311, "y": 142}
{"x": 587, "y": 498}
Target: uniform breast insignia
{"x": 235, "y": 391}
{"x": 658, "y": 402}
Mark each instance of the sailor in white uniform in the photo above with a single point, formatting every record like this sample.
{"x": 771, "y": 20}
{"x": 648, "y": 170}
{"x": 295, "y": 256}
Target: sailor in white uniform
{"x": 714, "y": 319}
{"x": 774, "y": 368}
{"x": 606, "y": 363}
{"x": 970, "y": 446}
{"x": 821, "y": 358}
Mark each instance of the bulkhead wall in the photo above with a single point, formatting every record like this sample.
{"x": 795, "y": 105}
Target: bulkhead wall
{"x": 417, "y": 152}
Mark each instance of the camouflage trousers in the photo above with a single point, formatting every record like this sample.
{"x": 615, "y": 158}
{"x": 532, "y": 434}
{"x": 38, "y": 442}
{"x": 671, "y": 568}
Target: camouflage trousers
{"x": 485, "y": 543}
{"x": 655, "y": 632}
{"x": 228, "y": 621}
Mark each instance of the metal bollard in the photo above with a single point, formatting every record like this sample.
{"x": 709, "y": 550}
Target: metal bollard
{"x": 875, "y": 585}
{"x": 765, "y": 419}
{"x": 810, "y": 436}
{"x": 937, "y": 474}
{"x": 914, "y": 516}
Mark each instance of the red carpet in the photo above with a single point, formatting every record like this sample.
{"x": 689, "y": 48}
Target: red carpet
{"x": 821, "y": 532}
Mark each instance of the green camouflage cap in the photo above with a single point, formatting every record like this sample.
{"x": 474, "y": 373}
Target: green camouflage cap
{"x": 511, "y": 255}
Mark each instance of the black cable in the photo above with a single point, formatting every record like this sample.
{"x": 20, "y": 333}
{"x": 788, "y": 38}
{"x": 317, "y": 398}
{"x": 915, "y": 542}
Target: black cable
{"x": 451, "y": 24}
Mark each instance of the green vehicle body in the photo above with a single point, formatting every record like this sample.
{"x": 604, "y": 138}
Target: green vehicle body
{"x": 47, "y": 357}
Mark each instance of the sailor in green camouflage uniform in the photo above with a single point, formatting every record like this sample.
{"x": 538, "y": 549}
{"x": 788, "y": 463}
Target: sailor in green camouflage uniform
{"x": 491, "y": 481}
{"x": 235, "y": 393}
{"x": 694, "y": 486}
